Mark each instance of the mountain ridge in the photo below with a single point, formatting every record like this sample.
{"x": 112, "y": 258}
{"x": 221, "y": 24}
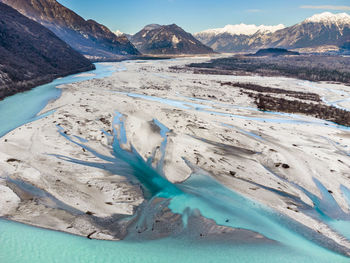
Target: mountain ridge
{"x": 31, "y": 55}
{"x": 86, "y": 36}
{"x": 319, "y": 32}
{"x": 328, "y": 17}
{"x": 241, "y": 29}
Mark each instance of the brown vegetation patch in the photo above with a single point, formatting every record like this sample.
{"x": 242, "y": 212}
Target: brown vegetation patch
{"x": 290, "y": 93}
{"x": 321, "y": 111}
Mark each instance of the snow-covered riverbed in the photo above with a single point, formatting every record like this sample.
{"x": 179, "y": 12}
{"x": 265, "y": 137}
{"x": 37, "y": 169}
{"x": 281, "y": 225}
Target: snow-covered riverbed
{"x": 280, "y": 177}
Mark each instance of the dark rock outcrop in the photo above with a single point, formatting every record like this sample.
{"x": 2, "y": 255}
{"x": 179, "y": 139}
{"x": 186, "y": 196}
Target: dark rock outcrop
{"x": 30, "y": 54}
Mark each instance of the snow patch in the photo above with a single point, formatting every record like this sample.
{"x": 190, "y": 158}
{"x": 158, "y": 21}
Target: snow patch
{"x": 329, "y": 18}
{"x": 118, "y": 33}
{"x": 175, "y": 40}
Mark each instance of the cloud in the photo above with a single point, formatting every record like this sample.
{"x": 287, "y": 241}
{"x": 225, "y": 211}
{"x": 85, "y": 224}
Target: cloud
{"x": 254, "y": 10}
{"x": 328, "y": 7}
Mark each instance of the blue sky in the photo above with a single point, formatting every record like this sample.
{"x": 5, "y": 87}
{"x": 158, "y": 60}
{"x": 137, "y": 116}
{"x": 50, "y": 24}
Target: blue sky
{"x": 130, "y": 16}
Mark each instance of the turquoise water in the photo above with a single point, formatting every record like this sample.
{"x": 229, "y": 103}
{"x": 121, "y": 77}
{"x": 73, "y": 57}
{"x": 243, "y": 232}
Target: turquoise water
{"x": 310, "y": 85}
{"x": 287, "y": 117}
{"x": 20, "y": 243}
{"x": 23, "y": 107}
{"x": 25, "y": 244}
{"x": 214, "y": 201}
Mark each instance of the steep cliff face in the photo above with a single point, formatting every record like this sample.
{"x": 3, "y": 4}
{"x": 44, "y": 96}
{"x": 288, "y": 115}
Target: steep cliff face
{"x": 86, "y": 36}
{"x": 169, "y": 39}
{"x": 30, "y": 54}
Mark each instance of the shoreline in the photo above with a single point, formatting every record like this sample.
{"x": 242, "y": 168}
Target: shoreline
{"x": 42, "y": 81}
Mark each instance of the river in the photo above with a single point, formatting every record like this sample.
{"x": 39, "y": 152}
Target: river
{"x": 21, "y": 243}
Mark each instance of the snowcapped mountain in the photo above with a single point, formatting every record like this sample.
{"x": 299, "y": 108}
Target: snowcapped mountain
{"x": 233, "y": 38}
{"x": 320, "y": 32}
{"x": 328, "y": 18}
{"x": 241, "y": 29}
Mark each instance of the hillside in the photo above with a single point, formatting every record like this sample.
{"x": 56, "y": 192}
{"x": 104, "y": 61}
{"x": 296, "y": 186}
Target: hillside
{"x": 31, "y": 55}
{"x": 168, "y": 39}
{"x": 275, "y": 52}
{"x": 86, "y": 36}
{"x": 235, "y": 38}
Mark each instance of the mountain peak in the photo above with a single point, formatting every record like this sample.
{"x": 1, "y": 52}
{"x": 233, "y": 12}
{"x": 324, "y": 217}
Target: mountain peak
{"x": 151, "y": 27}
{"x": 167, "y": 39}
{"x": 242, "y": 29}
{"x": 329, "y": 18}
{"x": 173, "y": 26}
{"x": 118, "y": 33}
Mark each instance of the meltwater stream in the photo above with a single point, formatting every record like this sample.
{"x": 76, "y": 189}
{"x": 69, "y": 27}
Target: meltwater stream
{"x": 20, "y": 243}
{"x": 201, "y": 193}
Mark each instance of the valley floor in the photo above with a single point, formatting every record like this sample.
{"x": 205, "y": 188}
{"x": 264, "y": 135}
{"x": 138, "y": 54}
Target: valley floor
{"x": 55, "y": 172}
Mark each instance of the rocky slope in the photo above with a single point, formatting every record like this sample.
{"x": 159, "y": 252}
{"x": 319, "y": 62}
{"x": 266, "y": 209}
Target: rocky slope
{"x": 31, "y": 55}
{"x": 167, "y": 39}
{"x": 325, "y": 29}
{"x": 232, "y": 38}
{"x": 86, "y": 36}
{"x": 322, "y": 32}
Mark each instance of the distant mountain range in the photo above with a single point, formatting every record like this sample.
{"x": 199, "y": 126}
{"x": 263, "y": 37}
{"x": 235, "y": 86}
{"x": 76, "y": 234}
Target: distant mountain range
{"x": 321, "y": 32}
{"x": 30, "y": 54}
{"x": 37, "y": 50}
{"x": 87, "y": 37}
{"x": 234, "y": 37}
{"x": 167, "y": 39}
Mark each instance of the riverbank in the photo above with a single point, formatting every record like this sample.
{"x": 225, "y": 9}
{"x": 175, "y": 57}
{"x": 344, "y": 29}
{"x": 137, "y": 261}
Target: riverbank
{"x": 13, "y": 88}
{"x": 60, "y": 172}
